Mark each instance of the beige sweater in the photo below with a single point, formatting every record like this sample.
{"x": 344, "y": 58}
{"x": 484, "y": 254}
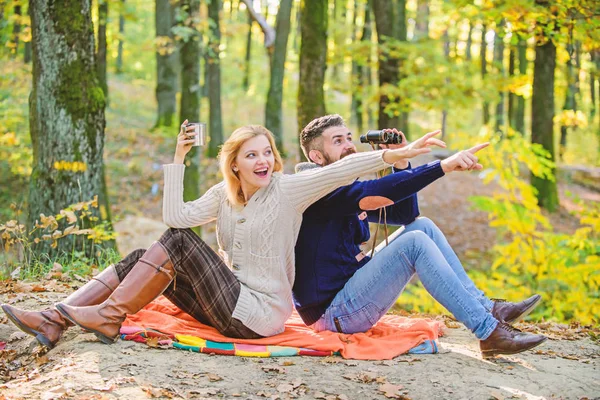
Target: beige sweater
{"x": 257, "y": 241}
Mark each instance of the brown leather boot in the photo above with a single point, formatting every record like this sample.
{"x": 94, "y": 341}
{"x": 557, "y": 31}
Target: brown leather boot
{"x": 507, "y": 340}
{"x": 47, "y": 326}
{"x": 149, "y": 277}
{"x": 511, "y": 312}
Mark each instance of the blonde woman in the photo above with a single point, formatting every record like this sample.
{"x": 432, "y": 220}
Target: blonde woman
{"x": 245, "y": 291}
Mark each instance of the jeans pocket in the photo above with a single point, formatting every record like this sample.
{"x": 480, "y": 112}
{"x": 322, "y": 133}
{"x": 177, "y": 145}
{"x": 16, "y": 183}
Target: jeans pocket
{"x": 360, "y": 320}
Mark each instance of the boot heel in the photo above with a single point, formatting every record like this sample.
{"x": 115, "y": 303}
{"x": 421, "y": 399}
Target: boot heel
{"x": 105, "y": 339}
{"x": 44, "y": 341}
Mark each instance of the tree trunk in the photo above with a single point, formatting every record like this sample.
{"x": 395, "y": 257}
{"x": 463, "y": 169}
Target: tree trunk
{"x": 447, "y": 55}
{"x": 468, "y": 54}
{"x": 66, "y": 116}
{"x": 273, "y": 109}
{"x": 388, "y": 64}
{"x": 246, "y": 81}
{"x": 422, "y": 23}
{"x": 542, "y": 115}
{"x": 16, "y": 33}
{"x": 593, "y": 56}
{"x": 297, "y": 32}
{"x": 26, "y": 40}
{"x": 362, "y": 73}
{"x": 214, "y": 80}
{"x": 313, "y": 58}
{"x": 368, "y": 71}
{"x": 3, "y": 23}
{"x": 335, "y": 42}
{"x": 190, "y": 94}
{"x": 166, "y": 64}
{"x": 354, "y": 110}
{"x": 499, "y": 66}
{"x": 101, "y": 53}
{"x": 520, "y": 111}
{"x": 483, "y": 59}
{"x": 121, "y": 38}
{"x": 569, "y": 97}
{"x": 512, "y": 98}
{"x": 401, "y": 34}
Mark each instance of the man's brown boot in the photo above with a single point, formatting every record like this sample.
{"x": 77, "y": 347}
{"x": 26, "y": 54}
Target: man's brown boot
{"x": 512, "y": 312}
{"x": 507, "y": 340}
{"x": 148, "y": 278}
{"x": 47, "y": 326}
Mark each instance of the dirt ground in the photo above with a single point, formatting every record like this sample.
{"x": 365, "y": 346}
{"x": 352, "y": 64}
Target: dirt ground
{"x": 82, "y": 367}
{"x": 565, "y": 367}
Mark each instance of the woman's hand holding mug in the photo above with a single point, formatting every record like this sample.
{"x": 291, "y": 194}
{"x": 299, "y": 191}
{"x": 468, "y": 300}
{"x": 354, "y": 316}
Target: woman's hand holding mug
{"x": 185, "y": 140}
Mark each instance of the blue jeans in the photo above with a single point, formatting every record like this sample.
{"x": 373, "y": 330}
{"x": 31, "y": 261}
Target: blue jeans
{"x": 422, "y": 249}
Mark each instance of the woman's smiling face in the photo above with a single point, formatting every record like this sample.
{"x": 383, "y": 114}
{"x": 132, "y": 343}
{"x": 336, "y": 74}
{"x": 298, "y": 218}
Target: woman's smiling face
{"x": 254, "y": 164}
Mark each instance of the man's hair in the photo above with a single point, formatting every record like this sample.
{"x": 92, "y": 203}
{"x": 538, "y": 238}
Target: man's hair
{"x": 310, "y": 137}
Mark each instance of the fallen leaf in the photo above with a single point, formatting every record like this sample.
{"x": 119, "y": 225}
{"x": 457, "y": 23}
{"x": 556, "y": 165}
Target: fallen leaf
{"x": 214, "y": 378}
{"x": 42, "y": 360}
{"x": 288, "y": 363}
{"x": 152, "y": 342}
{"x": 297, "y": 382}
{"x": 285, "y": 388}
{"x": 18, "y": 335}
{"x": 16, "y": 273}
{"x": 205, "y": 391}
{"x": 279, "y": 370}
{"x": 106, "y": 388}
{"x": 391, "y": 391}
{"x": 496, "y": 395}
{"x": 38, "y": 288}
{"x": 55, "y": 393}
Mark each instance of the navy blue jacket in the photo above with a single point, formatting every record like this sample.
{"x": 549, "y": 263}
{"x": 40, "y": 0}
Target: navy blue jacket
{"x": 331, "y": 233}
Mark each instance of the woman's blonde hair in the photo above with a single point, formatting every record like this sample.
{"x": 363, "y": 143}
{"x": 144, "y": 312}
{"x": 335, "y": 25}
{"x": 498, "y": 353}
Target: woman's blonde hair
{"x": 229, "y": 152}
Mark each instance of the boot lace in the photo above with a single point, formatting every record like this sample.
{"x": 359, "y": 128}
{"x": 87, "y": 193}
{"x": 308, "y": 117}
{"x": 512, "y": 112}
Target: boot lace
{"x": 510, "y": 328}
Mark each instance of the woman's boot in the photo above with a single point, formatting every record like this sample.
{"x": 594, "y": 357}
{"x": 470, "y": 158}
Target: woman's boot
{"x": 147, "y": 280}
{"x": 47, "y": 326}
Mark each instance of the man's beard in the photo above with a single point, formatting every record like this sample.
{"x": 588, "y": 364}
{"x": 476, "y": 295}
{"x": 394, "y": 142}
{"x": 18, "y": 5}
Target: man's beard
{"x": 345, "y": 153}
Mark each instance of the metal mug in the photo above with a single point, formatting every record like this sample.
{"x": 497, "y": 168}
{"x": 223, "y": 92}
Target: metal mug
{"x": 200, "y": 130}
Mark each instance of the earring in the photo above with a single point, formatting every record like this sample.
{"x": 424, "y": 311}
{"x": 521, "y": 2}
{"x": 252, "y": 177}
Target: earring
{"x": 235, "y": 169}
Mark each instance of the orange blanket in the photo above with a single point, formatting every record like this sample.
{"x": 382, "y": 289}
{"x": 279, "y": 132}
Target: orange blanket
{"x": 392, "y": 336}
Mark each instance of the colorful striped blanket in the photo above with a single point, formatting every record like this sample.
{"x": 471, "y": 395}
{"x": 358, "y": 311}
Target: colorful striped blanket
{"x": 162, "y": 324}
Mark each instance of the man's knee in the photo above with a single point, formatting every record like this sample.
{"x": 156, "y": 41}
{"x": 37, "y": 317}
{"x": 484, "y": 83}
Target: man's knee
{"x": 423, "y": 224}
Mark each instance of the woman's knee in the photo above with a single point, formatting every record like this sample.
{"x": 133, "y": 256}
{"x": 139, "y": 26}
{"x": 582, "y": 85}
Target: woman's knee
{"x": 174, "y": 234}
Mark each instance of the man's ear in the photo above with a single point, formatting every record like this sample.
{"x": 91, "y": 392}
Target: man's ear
{"x": 316, "y": 157}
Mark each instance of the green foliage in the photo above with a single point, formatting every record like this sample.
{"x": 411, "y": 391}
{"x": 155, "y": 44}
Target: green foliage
{"x": 19, "y": 246}
{"x": 15, "y": 143}
{"x": 530, "y": 257}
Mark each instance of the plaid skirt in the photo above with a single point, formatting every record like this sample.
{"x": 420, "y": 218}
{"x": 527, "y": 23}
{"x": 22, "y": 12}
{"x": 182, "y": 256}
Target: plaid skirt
{"x": 204, "y": 286}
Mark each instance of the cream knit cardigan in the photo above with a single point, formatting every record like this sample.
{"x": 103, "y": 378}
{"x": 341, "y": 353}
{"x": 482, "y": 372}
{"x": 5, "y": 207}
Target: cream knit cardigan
{"x": 257, "y": 241}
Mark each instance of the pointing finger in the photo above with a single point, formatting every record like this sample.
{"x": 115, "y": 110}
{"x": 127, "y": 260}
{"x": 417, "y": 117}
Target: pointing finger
{"x": 475, "y": 149}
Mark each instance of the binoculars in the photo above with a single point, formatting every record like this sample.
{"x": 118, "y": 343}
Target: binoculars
{"x": 383, "y": 136}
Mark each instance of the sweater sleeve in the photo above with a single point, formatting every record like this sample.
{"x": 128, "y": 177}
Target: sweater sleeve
{"x": 399, "y": 187}
{"x": 304, "y": 188}
{"x": 180, "y": 214}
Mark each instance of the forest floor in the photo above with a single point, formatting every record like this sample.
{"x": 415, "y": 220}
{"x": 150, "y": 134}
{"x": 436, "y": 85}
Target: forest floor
{"x": 565, "y": 367}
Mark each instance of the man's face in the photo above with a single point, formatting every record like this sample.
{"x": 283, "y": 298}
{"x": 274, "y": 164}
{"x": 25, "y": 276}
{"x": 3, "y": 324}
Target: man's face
{"x": 337, "y": 144}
